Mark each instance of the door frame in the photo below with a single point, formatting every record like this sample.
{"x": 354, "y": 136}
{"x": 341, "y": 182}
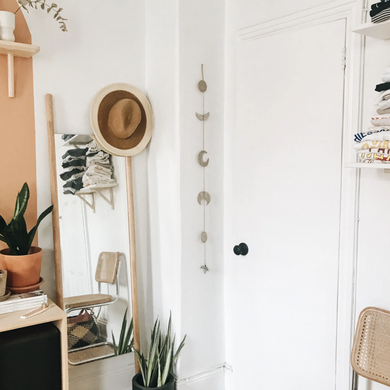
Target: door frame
{"x": 353, "y": 12}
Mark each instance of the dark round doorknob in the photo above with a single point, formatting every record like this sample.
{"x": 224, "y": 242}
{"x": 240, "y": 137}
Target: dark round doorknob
{"x": 241, "y": 249}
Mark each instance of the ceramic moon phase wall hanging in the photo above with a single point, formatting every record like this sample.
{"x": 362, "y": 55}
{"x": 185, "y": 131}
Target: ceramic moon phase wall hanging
{"x": 203, "y": 197}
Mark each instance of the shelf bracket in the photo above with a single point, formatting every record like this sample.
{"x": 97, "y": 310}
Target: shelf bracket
{"x": 11, "y": 77}
{"x": 109, "y": 201}
{"x": 91, "y": 205}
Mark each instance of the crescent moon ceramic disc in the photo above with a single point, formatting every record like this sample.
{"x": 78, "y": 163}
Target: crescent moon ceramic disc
{"x": 201, "y": 162}
{"x": 202, "y": 117}
{"x": 204, "y": 195}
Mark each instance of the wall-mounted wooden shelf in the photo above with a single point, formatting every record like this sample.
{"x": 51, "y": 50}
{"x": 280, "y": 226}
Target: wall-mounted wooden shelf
{"x": 374, "y": 30}
{"x": 97, "y": 189}
{"x": 12, "y": 49}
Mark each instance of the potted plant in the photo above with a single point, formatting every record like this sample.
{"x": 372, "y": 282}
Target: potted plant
{"x": 22, "y": 260}
{"x": 126, "y": 341}
{"x": 156, "y": 370}
{"x": 7, "y": 19}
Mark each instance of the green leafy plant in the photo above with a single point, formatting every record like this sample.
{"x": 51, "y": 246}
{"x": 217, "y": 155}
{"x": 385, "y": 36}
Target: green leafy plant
{"x": 161, "y": 357}
{"x": 126, "y": 340}
{"x": 42, "y": 4}
{"x": 15, "y": 233}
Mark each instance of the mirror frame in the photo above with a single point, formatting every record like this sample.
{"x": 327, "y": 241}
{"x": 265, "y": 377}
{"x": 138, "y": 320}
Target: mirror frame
{"x": 56, "y": 227}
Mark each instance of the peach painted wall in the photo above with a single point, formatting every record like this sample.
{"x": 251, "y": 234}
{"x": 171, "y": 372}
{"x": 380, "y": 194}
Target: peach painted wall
{"x": 17, "y": 128}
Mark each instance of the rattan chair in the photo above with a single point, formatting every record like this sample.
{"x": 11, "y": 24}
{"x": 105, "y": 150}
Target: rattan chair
{"x": 107, "y": 271}
{"x": 370, "y": 357}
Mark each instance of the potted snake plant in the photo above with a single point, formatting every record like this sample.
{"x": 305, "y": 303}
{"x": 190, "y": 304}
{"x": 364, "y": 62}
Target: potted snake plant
{"x": 156, "y": 369}
{"x": 22, "y": 260}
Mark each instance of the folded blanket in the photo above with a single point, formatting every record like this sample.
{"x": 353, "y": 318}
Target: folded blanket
{"x": 382, "y": 112}
{"x": 93, "y": 147}
{"x": 381, "y": 120}
{"x": 75, "y": 153}
{"x": 75, "y": 163}
{"x": 382, "y": 87}
{"x": 368, "y": 145}
{"x": 384, "y": 95}
{"x": 379, "y": 155}
{"x": 378, "y": 7}
{"x": 381, "y": 16}
{"x": 374, "y": 134}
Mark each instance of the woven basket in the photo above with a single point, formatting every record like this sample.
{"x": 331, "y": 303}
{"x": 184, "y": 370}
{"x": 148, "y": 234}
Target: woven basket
{"x": 370, "y": 357}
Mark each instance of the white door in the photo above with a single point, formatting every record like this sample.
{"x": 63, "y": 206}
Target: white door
{"x": 287, "y": 174}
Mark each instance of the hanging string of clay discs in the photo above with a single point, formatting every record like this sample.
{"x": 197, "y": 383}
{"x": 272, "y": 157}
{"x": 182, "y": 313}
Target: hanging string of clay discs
{"x": 203, "y": 195}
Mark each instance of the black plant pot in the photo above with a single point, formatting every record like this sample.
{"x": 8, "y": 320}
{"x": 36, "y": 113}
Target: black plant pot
{"x": 138, "y": 383}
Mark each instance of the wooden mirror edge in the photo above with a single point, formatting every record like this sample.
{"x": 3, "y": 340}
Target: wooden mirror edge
{"x": 133, "y": 264}
{"x": 54, "y": 200}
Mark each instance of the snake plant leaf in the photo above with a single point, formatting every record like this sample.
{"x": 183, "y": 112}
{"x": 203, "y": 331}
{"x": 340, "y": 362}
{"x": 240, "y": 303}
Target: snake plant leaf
{"x": 168, "y": 364}
{"x": 3, "y": 224}
{"x": 32, "y": 232}
{"x": 179, "y": 348}
{"x": 123, "y": 330}
{"x": 116, "y": 348}
{"x": 21, "y": 202}
{"x": 128, "y": 342}
{"x": 142, "y": 365}
{"x": 159, "y": 380}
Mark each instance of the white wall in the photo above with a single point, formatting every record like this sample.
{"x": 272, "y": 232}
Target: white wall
{"x": 105, "y": 44}
{"x": 180, "y": 36}
{"x": 157, "y": 47}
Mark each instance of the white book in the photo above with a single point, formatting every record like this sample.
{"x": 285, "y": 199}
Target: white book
{"x": 29, "y": 306}
{"x": 33, "y": 296}
{"x": 23, "y": 301}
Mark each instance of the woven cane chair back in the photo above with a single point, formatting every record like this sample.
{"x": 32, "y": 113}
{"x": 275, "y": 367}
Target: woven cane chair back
{"x": 107, "y": 267}
{"x": 370, "y": 357}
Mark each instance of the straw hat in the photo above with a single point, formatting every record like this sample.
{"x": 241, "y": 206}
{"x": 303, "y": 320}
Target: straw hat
{"x": 121, "y": 119}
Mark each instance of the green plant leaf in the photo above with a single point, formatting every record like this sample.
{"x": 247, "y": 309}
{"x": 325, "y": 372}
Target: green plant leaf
{"x": 32, "y": 232}
{"x": 21, "y": 201}
{"x": 179, "y": 349}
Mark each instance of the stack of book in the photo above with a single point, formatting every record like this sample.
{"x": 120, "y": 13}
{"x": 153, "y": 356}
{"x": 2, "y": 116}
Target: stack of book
{"x": 23, "y": 301}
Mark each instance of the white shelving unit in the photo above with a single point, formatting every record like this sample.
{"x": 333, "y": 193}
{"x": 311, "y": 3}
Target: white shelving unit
{"x": 374, "y": 30}
{"x": 386, "y": 167}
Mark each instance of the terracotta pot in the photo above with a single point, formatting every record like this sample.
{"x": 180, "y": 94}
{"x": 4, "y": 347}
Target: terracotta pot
{"x": 138, "y": 383}
{"x": 24, "y": 270}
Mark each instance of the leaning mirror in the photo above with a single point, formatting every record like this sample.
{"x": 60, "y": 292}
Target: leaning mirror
{"x": 93, "y": 227}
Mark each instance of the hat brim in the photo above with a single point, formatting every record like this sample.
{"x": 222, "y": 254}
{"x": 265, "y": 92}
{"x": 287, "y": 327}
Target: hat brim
{"x": 100, "y": 109}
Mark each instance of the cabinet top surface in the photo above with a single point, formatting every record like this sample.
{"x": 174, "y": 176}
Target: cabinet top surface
{"x": 12, "y": 320}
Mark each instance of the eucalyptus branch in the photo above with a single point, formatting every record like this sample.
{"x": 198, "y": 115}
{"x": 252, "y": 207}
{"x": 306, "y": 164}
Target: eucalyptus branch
{"x": 42, "y": 4}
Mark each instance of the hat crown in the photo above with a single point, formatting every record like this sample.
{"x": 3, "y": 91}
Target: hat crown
{"x": 124, "y": 117}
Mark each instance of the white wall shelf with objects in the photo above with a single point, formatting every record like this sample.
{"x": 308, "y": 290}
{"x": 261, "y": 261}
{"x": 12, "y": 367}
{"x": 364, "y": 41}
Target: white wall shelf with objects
{"x": 374, "y": 30}
{"x": 97, "y": 189}
{"x": 55, "y": 315}
{"x": 12, "y": 49}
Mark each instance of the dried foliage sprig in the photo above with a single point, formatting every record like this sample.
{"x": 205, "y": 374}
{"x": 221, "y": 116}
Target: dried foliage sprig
{"x": 43, "y": 5}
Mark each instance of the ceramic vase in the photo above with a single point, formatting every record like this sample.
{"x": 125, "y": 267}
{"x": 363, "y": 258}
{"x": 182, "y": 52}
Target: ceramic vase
{"x": 138, "y": 383}
{"x": 3, "y": 282}
{"x": 23, "y": 270}
{"x": 7, "y": 26}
